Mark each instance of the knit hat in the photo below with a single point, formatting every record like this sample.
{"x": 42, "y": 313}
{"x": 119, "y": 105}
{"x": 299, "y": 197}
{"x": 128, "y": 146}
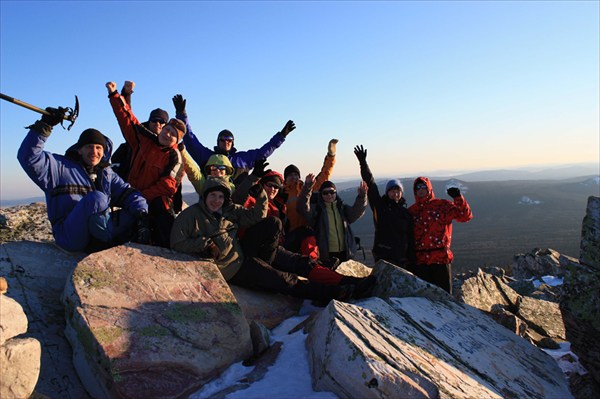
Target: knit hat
{"x": 394, "y": 183}
{"x": 272, "y": 176}
{"x": 91, "y": 136}
{"x": 225, "y": 134}
{"x": 289, "y": 170}
{"x": 327, "y": 184}
{"x": 159, "y": 114}
{"x": 179, "y": 126}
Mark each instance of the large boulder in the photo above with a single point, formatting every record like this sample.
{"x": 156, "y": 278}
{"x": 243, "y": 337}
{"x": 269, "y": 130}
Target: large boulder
{"x": 36, "y": 274}
{"x": 590, "y": 234}
{"x": 486, "y": 291}
{"x": 266, "y": 308}
{"x": 19, "y": 357}
{"x": 541, "y": 262}
{"x": 147, "y": 322}
{"x": 419, "y": 348}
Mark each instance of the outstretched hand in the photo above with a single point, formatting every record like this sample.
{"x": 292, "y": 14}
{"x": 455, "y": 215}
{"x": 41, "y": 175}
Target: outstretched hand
{"x": 363, "y": 188}
{"x": 361, "y": 153}
{"x": 111, "y": 86}
{"x": 331, "y": 147}
{"x": 127, "y": 87}
{"x": 179, "y": 102}
{"x": 454, "y": 192}
{"x": 310, "y": 180}
{"x": 259, "y": 168}
{"x": 287, "y": 129}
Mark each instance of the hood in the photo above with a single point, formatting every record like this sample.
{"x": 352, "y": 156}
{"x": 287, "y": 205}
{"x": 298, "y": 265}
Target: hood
{"x": 430, "y": 194}
{"x": 73, "y": 154}
{"x": 219, "y": 159}
{"x": 272, "y": 176}
{"x": 216, "y": 183}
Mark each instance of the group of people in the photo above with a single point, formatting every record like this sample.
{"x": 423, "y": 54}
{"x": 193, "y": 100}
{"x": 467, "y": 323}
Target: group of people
{"x": 263, "y": 229}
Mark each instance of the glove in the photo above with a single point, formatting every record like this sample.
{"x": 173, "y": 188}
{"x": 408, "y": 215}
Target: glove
{"x": 144, "y": 235}
{"x": 255, "y": 191}
{"x": 179, "y": 103}
{"x": 259, "y": 168}
{"x": 331, "y": 147}
{"x": 360, "y": 153}
{"x": 454, "y": 192}
{"x": 56, "y": 116}
{"x": 287, "y": 129}
{"x": 213, "y": 250}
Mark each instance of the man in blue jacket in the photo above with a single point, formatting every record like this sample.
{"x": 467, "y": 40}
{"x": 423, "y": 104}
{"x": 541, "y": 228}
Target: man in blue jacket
{"x": 242, "y": 161}
{"x": 81, "y": 188}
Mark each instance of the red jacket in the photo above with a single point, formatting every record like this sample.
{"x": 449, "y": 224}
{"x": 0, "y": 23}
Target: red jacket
{"x": 433, "y": 225}
{"x": 155, "y": 170}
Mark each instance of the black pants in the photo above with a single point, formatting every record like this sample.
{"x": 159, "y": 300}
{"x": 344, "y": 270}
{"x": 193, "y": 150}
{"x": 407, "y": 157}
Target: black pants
{"x": 161, "y": 223}
{"x": 269, "y": 267}
{"x": 437, "y": 274}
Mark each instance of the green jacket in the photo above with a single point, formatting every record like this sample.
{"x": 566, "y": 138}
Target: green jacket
{"x": 196, "y": 227}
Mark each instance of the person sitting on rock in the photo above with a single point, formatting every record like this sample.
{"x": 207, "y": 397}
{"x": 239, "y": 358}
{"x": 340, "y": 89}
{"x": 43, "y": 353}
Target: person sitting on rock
{"x": 330, "y": 218}
{"x": 242, "y": 161}
{"x": 156, "y": 163}
{"x": 81, "y": 189}
{"x": 210, "y": 229}
{"x": 271, "y": 182}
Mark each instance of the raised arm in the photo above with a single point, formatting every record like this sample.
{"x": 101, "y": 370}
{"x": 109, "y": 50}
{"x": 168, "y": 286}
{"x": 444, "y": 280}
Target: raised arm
{"x": 459, "y": 208}
{"x": 328, "y": 164}
{"x": 125, "y": 117}
{"x": 355, "y": 212}
{"x": 246, "y": 159}
{"x": 367, "y": 176}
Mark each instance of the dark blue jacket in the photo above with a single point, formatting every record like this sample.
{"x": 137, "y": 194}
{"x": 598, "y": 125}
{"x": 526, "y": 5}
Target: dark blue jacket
{"x": 64, "y": 179}
{"x": 239, "y": 159}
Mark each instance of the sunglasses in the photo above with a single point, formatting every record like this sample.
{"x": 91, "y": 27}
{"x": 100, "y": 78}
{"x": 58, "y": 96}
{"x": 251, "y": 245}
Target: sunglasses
{"x": 328, "y": 192}
{"x": 217, "y": 167}
{"x": 421, "y": 186}
{"x": 226, "y": 140}
{"x": 158, "y": 120}
{"x": 272, "y": 185}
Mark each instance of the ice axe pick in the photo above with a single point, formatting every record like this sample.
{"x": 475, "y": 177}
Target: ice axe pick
{"x": 71, "y": 114}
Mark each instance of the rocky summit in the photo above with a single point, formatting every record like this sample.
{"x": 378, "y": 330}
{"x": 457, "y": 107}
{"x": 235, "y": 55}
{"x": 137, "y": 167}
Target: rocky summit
{"x": 144, "y": 322}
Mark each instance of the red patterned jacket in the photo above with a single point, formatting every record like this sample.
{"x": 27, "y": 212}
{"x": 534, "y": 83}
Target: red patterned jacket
{"x": 433, "y": 225}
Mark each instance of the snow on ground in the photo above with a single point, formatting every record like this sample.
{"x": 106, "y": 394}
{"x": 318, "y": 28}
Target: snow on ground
{"x": 289, "y": 377}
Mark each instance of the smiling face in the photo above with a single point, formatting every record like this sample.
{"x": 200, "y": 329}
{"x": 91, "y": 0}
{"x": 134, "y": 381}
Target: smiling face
{"x": 168, "y": 136}
{"x": 292, "y": 178}
{"x": 395, "y": 194}
{"x": 329, "y": 195}
{"x": 225, "y": 143}
{"x": 91, "y": 154}
{"x": 271, "y": 188}
{"x": 156, "y": 125}
{"x": 215, "y": 200}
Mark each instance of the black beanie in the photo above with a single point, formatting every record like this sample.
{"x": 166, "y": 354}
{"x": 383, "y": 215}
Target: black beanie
{"x": 327, "y": 184}
{"x": 160, "y": 114}
{"x": 225, "y": 133}
{"x": 289, "y": 170}
{"x": 91, "y": 136}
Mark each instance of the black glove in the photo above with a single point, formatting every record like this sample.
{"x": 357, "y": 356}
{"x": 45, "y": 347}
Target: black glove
{"x": 453, "y": 192}
{"x": 259, "y": 168}
{"x": 56, "y": 116}
{"x": 287, "y": 129}
{"x": 144, "y": 235}
{"x": 255, "y": 190}
{"x": 360, "y": 153}
{"x": 179, "y": 103}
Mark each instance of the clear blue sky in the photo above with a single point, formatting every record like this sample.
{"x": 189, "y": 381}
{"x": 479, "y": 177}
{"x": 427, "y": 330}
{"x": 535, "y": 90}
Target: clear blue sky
{"x": 424, "y": 86}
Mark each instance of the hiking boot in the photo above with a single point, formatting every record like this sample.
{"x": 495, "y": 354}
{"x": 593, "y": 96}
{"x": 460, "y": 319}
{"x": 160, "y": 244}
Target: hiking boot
{"x": 331, "y": 263}
{"x": 345, "y": 292}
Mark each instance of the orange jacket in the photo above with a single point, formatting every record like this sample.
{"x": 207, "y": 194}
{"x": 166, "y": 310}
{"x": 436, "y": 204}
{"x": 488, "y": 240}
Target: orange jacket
{"x": 155, "y": 170}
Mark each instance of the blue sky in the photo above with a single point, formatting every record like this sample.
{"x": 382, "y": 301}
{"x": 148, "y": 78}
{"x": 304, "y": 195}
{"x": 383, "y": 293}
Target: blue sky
{"x": 424, "y": 86}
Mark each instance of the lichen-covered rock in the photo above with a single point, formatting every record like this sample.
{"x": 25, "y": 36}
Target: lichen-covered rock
{"x": 543, "y": 316}
{"x": 25, "y": 222}
{"x": 147, "y": 322}
{"x": 485, "y": 291}
{"x": 416, "y": 347}
{"x": 590, "y": 234}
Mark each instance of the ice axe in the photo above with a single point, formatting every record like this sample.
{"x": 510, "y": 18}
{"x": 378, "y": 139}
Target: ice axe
{"x": 70, "y": 115}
